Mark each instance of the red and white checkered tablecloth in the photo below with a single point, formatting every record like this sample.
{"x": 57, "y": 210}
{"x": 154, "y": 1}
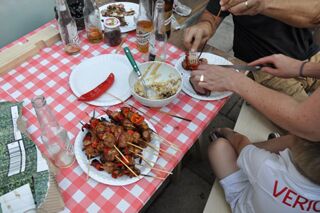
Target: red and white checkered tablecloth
{"x": 47, "y": 73}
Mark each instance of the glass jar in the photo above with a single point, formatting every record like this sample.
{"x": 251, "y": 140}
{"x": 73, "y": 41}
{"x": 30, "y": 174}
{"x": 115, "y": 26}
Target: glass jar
{"x": 112, "y": 33}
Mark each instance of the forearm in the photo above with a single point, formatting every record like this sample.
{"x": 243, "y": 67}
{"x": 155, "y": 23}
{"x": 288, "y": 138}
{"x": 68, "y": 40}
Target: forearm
{"x": 298, "y": 118}
{"x": 298, "y": 13}
{"x": 213, "y": 21}
{"x": 277, "y": 144}
{"x": 311, "y": 70}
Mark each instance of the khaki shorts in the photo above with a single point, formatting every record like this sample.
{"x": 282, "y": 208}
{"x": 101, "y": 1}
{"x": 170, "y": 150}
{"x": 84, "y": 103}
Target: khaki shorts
{"x": 298, "y": 88}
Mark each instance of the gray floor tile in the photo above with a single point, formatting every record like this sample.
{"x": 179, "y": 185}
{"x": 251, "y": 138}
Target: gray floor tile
{"x": 188, "y": 195}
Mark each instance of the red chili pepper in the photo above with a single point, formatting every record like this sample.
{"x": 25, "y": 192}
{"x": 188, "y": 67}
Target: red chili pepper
{"x": 96, "y": 164}
{"x": 136, "y": 119}
{"x": 106, "y": 150}
{"x": 94, "y": 144}
{"x": 130, "y": 132}
{"x": 125, "y": 111}
{"x": 99, "y": 90}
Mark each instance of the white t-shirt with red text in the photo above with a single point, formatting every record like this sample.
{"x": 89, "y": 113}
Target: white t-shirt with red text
{"x": 275, "y": 184}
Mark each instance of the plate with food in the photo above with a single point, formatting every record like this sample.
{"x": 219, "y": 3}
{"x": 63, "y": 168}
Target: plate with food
{"x": 187, "y": 63}
{"x": 101, "y": 80}
{"x": 118, "y": 148}
{"x": 126, "y": 12}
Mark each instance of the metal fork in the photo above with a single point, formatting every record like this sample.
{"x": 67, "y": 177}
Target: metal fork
{"x": 147, "y": 91}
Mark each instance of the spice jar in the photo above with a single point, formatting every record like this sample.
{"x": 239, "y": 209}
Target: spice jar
{"x": 112, "y": 34}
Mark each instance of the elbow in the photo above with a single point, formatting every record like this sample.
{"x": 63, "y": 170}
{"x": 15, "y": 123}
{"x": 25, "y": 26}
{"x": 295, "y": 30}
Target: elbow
{"x": 315, "y": 18}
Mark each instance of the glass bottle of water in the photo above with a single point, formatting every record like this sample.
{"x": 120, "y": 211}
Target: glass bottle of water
{"x": 67, "y": 28}
{"x": 158, "y": 39}
{"x": 54, "y": 137}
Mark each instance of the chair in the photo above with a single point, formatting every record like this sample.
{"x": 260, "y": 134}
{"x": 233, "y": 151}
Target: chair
{"x": 256, "y": 127}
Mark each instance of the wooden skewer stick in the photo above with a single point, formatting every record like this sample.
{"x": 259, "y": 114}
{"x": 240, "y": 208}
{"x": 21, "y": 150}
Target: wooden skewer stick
{"x": 135, "y": 145}
{"x": 218, "y": 15}
{"x": 127, "y": 166}
{"x": 114, "y": 146}
{"x": 172, "y": 144}
{"x": 153, "y": 147}
{"x": 160, "y": 151}
{"x": 150, "y": 165}
{"x": 122, "y": 42}
{"x": 160, "y": 178}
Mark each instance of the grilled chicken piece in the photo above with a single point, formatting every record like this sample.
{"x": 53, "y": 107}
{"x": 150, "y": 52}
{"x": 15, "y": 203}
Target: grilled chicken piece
{"x": 197, "y": 89}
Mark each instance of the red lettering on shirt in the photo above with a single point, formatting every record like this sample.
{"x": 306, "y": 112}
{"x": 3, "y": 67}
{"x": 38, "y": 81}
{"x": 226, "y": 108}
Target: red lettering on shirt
{"x": 292, "y": 199}
{"x": 287, "y": 197}
{"x": 315, "y": 208}
{"x": 275, "y": 189}
{"x": 301, "y": 201}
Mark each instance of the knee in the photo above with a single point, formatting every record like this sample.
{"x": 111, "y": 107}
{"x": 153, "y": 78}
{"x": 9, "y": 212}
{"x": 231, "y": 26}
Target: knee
{"x": 217, "y": 147}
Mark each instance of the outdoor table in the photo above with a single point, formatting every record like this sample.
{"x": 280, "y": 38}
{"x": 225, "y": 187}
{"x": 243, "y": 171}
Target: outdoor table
{"x": 47, "y": 73}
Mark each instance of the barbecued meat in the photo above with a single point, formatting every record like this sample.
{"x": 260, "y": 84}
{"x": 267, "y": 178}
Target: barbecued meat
{"x": 197, "y": 89}
{"x": 188, "y": 66}
{"x": 126, "y": 133}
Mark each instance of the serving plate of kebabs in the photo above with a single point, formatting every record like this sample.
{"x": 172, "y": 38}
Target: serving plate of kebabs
{"x": 117, "y": 148}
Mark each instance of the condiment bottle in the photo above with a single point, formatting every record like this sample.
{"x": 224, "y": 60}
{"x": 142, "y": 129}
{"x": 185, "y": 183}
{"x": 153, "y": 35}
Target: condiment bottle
{"x": 158, "y": 38}
{"x": 67, "y": 28}
{"x": 55, "y": 138}
{"x": 144, "y": 26}
{"x": 92, "y": 21}
{"x": 168, "y": 15}
{"x": 112, "y": 33}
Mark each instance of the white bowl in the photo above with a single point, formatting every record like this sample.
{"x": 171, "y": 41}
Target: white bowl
{"x": 164, "y": 73}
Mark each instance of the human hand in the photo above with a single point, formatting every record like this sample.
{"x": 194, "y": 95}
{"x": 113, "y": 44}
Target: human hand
{"x": 243, "y": 7}
{"x": 285, "y": 67}
{"x": 237, "y": 140}
{"x": 197, "y": 35}
{"x": 216, "y": 78}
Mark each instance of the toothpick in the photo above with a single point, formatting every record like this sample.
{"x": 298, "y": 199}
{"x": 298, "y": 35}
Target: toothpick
{"x": 160, "y": 178}
{"x": 135, "y": 145}
{"x": 149, "y": 164}
{"x": 114, "y": 146}
{"x": 127, "y": 166}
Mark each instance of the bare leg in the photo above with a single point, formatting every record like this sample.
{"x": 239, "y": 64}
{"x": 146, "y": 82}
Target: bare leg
{"x": 223, "y": 158}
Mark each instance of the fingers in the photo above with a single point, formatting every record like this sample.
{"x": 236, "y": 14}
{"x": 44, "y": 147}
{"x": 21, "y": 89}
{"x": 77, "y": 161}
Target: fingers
{"x": 240, "y": 8}
{"x": 188, "y": 38}
{"x": 227, "y": 4}
{"x": 224, "y": 132}
{"x": 264, "y": 60}
{"x": 196, "y": 42}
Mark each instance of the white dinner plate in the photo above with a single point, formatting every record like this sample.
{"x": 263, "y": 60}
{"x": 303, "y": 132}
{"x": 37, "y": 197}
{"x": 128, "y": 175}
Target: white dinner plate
{"x": 93, "y": 71}
{"x": 186, "y": 86}
{"x": 103, "y": 177}
{"x": 129, "y": 19}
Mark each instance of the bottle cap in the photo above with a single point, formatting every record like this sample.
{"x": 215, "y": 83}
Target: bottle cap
{"x": 111, "y": 22}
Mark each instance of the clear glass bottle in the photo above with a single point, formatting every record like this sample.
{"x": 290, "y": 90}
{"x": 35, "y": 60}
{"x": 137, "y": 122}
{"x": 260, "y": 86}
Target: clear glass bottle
{"x": 144, "y": 26}
{"x": 158, "y": 38}
{"x": 168, "y": 8}
{"x": 92, "y": 21}
{"x": 54, "y": 137}
{"x": 67, "y": 28}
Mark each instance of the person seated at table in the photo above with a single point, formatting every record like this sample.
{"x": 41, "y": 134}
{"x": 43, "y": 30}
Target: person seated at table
{"x": 262, "y": 28}
{"x": 300, "y": 118}
{"x": 281, "y": 176}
